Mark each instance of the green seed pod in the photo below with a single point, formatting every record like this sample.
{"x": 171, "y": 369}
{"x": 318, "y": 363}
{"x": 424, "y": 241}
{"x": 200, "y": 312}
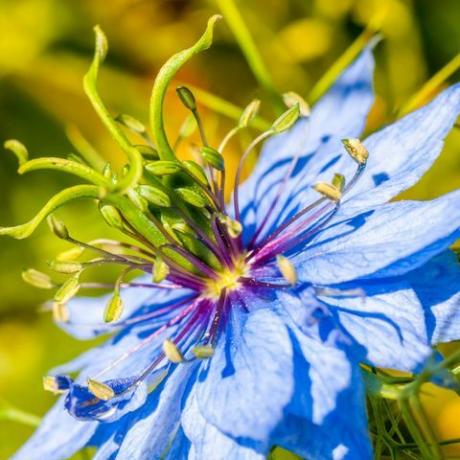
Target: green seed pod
{"x": 154, "y": 195}
{"x": 130, "y": 122}
{"x": 112, "y": 216}
{"x": 212, "y": 157}
{"x": 114, "y": 308}
{"x": 58, "y": 227}
{"x": 160, "y": 270}
{"x": 163, "y": 167}
{"x": 37, "y": 279}
{"x": 195, "y": 170}
{"x": 249, "y": 113}
{"x": 286, "y": 120}
{"x": 68, "y": 290}
{"x": 192, "y": 196}
{"x": 187, "y": 97}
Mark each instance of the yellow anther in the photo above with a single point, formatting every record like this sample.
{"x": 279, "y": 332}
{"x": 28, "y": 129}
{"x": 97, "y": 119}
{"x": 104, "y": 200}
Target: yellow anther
{"x": 287, "y": 269}
{"x": 50, "y": 384}
{"x": 356, "y": 150}
{"x": 328, "y": 190}
{"x": 291, "y": 98}
{"x": 100, "y": 390}
{"x": 114, "y": 308}
{"x": 203, "y": 351}
{"x": 172, "y": 352}
{"x": 60, "y": 312}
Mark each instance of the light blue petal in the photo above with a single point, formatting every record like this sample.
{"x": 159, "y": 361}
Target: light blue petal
{"x": 208, "y": 442}
{"x": 388, "y": 321}
{"x": 388, "y": 241}
{"x": 401, "y": 153}
{"x": 58, "y": 437}
{"x": 437, "y": 285}
{"x": 327, "y": 416}
{"x": 86, "y": 314}
{"x": 249, "y": 379}
{"x": 151, "y": 435}
{"x": 314, "y": 141}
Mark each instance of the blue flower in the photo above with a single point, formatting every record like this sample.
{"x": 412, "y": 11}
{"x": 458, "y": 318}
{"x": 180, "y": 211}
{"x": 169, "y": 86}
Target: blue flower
{"x": 228, "y": 367}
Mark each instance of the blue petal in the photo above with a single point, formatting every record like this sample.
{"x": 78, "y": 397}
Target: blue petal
{"x": 86, "y": 314}
{"x": 437, "y": 285}
{"x": 58, "y": 437}
{"x": 387, "y": 241}
{"x": 208, "y": 442}
{"x": 401, "y": 153}
{"x": 314, "y": 141}
{"x": 327, "y": 416}
{"x": 158, "y": 422}
{"x": 249, "y": 379}
{"x": 388, "y": 321}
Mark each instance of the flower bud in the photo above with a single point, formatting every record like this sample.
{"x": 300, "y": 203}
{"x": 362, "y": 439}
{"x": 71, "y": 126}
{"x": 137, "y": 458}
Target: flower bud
{"x": 37, "y": 279}
{"x": 154, "y": 195}
{"x": 356, "y": 150}
{"x": 58, "y": 227}
{"x": 286, "y": 120}
{"x": 187, "y": 97}
{"x": 163, "y": 167}
{"x": 212, "y": 157}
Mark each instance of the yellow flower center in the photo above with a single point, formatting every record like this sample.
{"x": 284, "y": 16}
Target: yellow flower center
{"x": 228, "y": 279}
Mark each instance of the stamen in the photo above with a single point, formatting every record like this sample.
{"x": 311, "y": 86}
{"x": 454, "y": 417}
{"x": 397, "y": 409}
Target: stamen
{"x": 100, "y": 390}
{"x": 172, "y": 352}
{"x": 328, "y": 190}
{"x": 287, "y": 269}
{"x": 356, "y": 150}
{"x": 203, "y": 351}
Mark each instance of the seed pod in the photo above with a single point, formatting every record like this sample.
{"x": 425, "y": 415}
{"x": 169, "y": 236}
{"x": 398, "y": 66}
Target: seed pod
{"x": 286, "y": 120}
{"x": 192, "y": 196}
{"x": 195, "y": 170}
{"x": 100, "y": 390}
{"x": 249, "y": 113}
{"x": 112, "y": 216}
{"x": 58, "y": 227}
{"x": 154, "y": 195}
{"x": 212, "y": 157}
{"x": 163, "y": 167}
{"x": 114, "y": 308}
{"x": 37, "y": 279}
{"x": 130, "y": 122}
{"x": 187, "y": 97}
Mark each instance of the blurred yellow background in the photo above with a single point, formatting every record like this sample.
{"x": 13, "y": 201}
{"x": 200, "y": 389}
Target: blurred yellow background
{"x": 46, "y": 47}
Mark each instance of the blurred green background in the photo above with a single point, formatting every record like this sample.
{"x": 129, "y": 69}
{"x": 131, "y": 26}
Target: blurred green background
{"x": 46, "y": 47}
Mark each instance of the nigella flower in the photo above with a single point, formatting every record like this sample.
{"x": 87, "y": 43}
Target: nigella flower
{"x": 260, "y": 311}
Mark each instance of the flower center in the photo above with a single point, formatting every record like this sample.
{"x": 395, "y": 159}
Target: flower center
{"x": 228, "y": 279}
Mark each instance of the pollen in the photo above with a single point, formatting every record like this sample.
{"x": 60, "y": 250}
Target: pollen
{"x": 228, "y": 279}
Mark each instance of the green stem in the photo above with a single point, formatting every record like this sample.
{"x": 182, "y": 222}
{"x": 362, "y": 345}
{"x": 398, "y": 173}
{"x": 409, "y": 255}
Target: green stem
{"x": 248, "y": 47}
{"x": 164, "y": 77}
